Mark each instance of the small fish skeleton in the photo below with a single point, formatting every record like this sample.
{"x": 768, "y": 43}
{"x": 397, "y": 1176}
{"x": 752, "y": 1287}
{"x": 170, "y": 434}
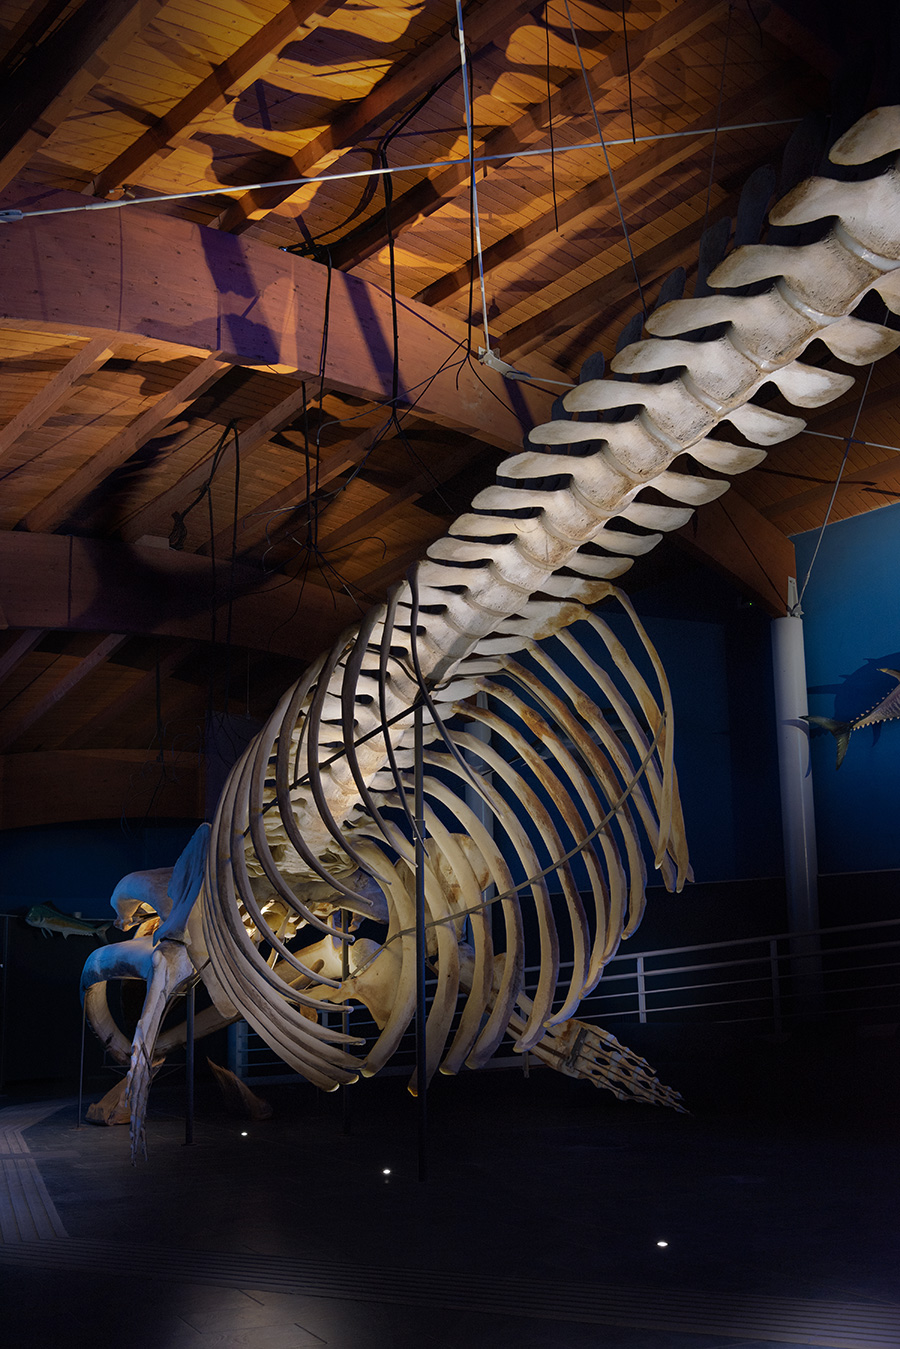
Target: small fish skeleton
{"x": 50, "y": 919}
{"x": 887, "y": 710}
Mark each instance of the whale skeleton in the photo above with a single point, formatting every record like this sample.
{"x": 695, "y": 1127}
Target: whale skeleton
{"x": 316, "y": 819}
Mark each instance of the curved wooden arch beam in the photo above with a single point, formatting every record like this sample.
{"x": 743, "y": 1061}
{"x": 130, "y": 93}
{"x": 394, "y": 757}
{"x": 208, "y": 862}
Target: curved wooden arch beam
{"x": 62, "y": 786}
{"x": 139, "y": 272}
{"x": 93, "y": 585}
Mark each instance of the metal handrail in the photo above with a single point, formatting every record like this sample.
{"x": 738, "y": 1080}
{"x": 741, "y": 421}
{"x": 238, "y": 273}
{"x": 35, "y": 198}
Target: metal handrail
{"x": 773, "y": 963}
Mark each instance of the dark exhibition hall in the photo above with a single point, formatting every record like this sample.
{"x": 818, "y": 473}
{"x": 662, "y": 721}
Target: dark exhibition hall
{"x": 449, "y": 674}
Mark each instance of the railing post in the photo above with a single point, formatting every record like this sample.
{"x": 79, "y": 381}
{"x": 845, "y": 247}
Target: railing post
{"x": 776, "y": 984}
{"x": 642, "y": 990}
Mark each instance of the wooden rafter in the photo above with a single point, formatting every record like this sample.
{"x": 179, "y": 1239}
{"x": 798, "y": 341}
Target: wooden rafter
{"x": 91, "y": 585}
{"x": 290, "y": 499}
{"x": 25, "y": 720}
{"x": 54, "y": 394}
{"x": 15, "y": 654}
{"x": 580, "y": 210}
{"x": 618, "y": 286}
{"x": 198, "y": 289}
{"x": 156, "y": 516}
{"x": 221, "y": 85}
{"x": 732, "y": 535}
{"x": 58, "y": 504}
{"x": 142, "y": 690}
{"x": 435, "y": 190}
{"x": 60, "y": 71}
{"x": 390, "y": 97}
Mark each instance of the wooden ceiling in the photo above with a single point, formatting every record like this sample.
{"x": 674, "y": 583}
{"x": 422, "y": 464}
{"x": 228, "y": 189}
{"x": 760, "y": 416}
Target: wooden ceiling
{"x": 203, "y": 479}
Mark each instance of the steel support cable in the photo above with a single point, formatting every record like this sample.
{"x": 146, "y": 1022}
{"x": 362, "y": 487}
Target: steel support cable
{"x": 463, "y": 62}
{"x": 13, "y": 214}
{"x": 851, "y": 440}
{"x": 609, "y": 170}
{"x": 715, "y": 144}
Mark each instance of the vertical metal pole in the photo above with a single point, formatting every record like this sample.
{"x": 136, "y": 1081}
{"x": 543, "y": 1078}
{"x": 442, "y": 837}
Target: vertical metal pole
{"x": 642, "y": 990}
{"x": 81, "y": 1067}
{"x": 345, "y": 1022}
{"x": 421, "y": 1066}
{"x": 797, "y": 813}
{"x": 189, "y": 1069}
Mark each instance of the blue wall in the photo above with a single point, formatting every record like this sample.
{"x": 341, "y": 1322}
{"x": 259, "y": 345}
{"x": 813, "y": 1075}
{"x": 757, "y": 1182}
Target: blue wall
{"x": 77, "y": 865}
{"x": 851, "y": 614}
{"x": 717, "y": 653}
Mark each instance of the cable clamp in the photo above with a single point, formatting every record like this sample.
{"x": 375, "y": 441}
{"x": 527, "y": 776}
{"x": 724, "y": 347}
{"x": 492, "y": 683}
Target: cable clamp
{"x": 492, "y": 359}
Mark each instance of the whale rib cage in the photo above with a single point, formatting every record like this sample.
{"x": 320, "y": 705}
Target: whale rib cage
{"x": 316, "y": 816}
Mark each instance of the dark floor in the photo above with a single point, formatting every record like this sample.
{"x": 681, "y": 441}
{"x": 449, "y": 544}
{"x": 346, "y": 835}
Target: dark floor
{"x": 537, "y": 1227}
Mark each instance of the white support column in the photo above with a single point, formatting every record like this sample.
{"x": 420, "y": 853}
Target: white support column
{"x": 797, "y": 811}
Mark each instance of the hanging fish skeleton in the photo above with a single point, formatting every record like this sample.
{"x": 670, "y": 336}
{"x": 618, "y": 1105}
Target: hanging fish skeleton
{"x": 315, "y": 831}
{"x": 47, "y": 918}
{"x": 887, "y": 710}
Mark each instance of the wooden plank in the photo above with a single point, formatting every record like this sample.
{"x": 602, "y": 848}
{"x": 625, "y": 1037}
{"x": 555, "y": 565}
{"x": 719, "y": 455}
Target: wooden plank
{"x": 156, "y": 516}
{"x": 94, "y": 585}
{"x": 54, "y": 787}
{"x": 54, "y": 394}
{"x": 56, "y": 506}
{"x": 143, "y": 689}
{"x": 434, "y": 191}
{"x": 580, "y": 211}
{"x": 101, "y": 653}
{"x": 450, "y": 461}
{"x": 736, "y": 539}
{"x": 390, "y": 96}
{"x": 333, "y": 462}
{"x": 885, "y": 474}
{"x": 208, "y": 97}
{"x": 654, "y": 264}
{"x": 20, "y": 648}
{"x": 60, "y": 71}
{"x": 174, "y": 282}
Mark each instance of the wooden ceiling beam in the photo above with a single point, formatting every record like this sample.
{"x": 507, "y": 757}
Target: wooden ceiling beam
{"x": 223, "y": 84}
{"x": 580, "y": 211}
{"x": 169, "y": 281}
{"x": 654, "y": 264}
{"x": 95, "y": 585}
{"x": 441, "y": 185}
{"x": 156, "y": 516}
{"x": 390, "y": 97}
{"x": 59, "y": 71}
{"x": 882, "y": 475}
{"x": 334, "y": 461}
{"x": 58, "y": 504}
{"x": 452, "y": 460}
{"x": 55, "y": 393}
{"x": 143, "y": 690}
{"x": 736, "y": 539}
{"x": 59, "y": 786}
{"x": 101, "y": 653}
{"x": 15, "y": 654}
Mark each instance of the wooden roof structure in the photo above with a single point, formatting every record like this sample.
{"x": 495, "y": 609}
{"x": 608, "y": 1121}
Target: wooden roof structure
{"x": 228, "y": 422}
